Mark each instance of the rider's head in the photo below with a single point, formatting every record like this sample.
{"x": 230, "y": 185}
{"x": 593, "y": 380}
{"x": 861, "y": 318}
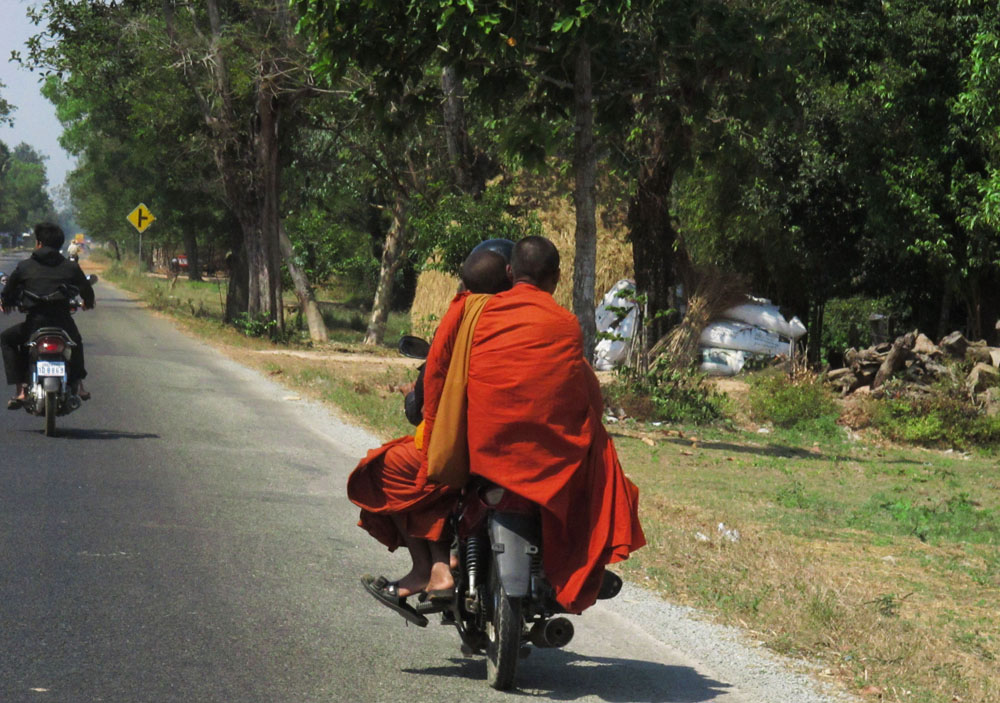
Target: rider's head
{"x": 48, "y": 234}
{"x": 503, "y": 247}
{"x": 485, "y": 271}
{"x": 536, "y": 260}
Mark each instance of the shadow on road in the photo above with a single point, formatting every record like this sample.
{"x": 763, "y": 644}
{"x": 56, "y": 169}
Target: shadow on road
{"x": 560, "y": 675}
{"x": 72, "y": 433}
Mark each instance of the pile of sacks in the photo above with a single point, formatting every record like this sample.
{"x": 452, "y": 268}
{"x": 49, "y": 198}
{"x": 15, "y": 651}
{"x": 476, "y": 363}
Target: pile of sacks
{"x": 753, "y": 329}
{"x": 920, "y": 362}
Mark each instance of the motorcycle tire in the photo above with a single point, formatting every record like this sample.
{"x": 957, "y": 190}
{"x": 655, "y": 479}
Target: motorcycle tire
{"x": 503, "y": 647}
{"x": 50, "y": 413}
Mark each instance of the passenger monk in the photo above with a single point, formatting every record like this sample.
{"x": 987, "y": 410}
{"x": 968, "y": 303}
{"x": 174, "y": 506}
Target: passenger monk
{"x": 534, "y": 425}
{"x": 394, "y": 510}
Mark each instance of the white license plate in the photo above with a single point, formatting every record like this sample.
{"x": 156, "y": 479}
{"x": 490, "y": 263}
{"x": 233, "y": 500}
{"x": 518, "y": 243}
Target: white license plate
{"x": 51, "y": 368}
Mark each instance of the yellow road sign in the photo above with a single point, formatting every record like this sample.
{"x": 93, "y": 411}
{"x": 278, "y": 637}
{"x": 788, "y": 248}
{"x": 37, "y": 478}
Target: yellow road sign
{"x": 141, "y": 218}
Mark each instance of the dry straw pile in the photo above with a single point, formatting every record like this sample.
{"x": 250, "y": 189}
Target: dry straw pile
{"x": 551, "y": 202}
{"x": 712, "y": 292}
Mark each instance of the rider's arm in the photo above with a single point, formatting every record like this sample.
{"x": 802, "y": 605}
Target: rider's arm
{"x": 86, "y": 290}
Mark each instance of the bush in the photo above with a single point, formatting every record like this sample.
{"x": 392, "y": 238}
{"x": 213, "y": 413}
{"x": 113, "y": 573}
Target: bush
{"x": 846, "y": 322}
{"x": 943, "y": 417}
{"x": 666, "y": 394}
{"x": 774, "y": 398}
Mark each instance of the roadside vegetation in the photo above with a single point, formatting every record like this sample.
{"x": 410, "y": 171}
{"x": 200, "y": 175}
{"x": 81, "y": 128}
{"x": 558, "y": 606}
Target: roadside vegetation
{"x": 846, "y": 547}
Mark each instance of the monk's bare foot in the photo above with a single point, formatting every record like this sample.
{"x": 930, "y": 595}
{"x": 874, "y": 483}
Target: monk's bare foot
{"x": 411, "y": 583}
{"x": 441, "y": 578}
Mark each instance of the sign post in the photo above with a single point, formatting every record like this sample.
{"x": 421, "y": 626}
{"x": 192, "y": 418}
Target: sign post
{"x": 141, "y": 218}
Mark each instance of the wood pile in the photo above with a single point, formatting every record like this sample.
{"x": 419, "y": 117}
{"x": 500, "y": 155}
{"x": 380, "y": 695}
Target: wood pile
{"x": 919, "y": 362}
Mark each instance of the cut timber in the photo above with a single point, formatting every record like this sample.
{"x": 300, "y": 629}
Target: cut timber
{"x": 897, "y": 356}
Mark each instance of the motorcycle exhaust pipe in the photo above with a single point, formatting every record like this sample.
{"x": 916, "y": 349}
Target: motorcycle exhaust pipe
{"x": 73, "y": 402}
{"x": 556, "y": 632}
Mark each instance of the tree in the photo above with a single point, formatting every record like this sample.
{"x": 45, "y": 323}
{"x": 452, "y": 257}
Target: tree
{"x": 24, "y": 200}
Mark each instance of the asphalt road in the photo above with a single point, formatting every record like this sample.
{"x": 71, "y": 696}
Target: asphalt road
{"x": 186, "y": 537}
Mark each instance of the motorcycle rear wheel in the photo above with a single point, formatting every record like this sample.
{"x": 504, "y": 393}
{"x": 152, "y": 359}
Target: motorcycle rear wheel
{"x": 50, "y": 413}
{"x": 504, "y": 644}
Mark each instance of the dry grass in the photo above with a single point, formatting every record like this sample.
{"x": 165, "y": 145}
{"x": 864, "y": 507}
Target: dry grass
{"x": 813, "y": 574}
{"x": 712, "y": 292}
{"x": 551, "y": 200}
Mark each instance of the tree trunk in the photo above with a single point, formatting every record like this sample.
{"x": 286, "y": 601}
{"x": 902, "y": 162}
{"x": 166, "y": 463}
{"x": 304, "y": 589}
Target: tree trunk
{"x": 268, "y": 168}
{"x": 945, "y": 313}
{"x": 585, "y": 166}
{"x": 657, "y": 259}
{"x": 814, "y": 349}
{"x": 238, "y": 290}
{"x": 303, "y": 290}
{"x": 191, "y": 250}
{"x": 392, "y": 257}
{"x": 459, "y": 150}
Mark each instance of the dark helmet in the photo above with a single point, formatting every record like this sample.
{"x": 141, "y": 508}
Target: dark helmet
{"x": 503, "y": 247}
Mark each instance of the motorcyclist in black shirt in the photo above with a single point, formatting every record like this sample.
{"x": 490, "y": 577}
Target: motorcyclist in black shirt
{"x": 39, "y": 285}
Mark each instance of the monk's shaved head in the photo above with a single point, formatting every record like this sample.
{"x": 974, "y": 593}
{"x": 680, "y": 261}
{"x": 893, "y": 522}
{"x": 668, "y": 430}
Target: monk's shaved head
{"x": 485, "y": 271}
{"x": 535, "y": 260}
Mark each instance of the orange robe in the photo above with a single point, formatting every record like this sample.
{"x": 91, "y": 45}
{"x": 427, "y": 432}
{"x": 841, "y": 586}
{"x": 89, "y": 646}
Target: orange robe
{"x": 534, "y": 427}
{"x": 384, "y": 485}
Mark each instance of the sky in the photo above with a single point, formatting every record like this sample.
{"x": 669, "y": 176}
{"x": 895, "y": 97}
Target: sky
{"x": 35, "y": 120}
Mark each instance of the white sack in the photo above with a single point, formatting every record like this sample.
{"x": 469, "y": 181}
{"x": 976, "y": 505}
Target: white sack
{"x": 767, "y": 317}
{"x": 743, "y": 337}
{"x": 722, "y": 362}
{"x": 609, "y": 353}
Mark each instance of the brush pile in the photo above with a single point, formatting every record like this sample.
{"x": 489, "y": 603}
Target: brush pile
{"x": 712, "y": 293}
{"x": 919, "y": 363}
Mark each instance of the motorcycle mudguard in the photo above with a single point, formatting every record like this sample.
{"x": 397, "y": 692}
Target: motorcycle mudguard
{"x": 514, "y": 537}
{"x": 51, "y": 383}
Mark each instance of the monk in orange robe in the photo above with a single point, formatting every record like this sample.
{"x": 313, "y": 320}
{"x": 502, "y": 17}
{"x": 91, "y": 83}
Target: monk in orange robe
{"x": 534, "y": 424}
{"x": 394, "y": 509}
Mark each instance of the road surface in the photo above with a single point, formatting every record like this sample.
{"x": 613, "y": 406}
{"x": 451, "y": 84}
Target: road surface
{"x": 186, "y": 537}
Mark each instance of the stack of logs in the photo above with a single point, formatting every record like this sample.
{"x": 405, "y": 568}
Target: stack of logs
{"x": 919, "y": 362}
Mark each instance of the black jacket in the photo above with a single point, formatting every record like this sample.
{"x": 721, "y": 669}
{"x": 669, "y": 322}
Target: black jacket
{"x": 46, "y": 273}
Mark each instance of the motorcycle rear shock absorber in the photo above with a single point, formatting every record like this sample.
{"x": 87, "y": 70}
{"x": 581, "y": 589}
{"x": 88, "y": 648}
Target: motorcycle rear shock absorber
{"x": 473, "y": 553}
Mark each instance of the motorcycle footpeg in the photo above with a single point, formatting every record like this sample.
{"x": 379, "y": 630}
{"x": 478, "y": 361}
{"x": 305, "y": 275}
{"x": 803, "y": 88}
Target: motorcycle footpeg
{"x": 430, "y": 607}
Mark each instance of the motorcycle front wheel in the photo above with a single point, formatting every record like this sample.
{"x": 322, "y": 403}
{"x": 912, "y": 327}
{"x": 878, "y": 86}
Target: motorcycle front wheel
{"x": 504, "y": 630}
{"x": 50, "y": 413}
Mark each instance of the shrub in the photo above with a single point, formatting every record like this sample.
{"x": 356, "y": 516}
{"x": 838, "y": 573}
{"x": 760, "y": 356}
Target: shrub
{"x": 846, "y": 322}
{"x": 774, "y": 398}
{"x": 943, "y": 417}
{"x": 666, "y": 394}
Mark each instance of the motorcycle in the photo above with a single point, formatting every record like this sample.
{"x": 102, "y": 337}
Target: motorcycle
{"x": 502, "y": 604}
{"x": 49, "y": 394}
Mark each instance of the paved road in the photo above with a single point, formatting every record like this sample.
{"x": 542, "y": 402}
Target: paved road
{"x": 186, "y": 538}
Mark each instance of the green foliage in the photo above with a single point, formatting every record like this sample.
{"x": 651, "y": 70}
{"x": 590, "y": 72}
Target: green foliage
{"x": 846, "y": 321}
{"x": 447, "y": 228}
{"x": 944, "y": 418}
{"x": 257, "y": 326}
{"x": 795, "y": 495}
{"x": 957, "y": 518}
{"x": 776, "y": 399}
{"x": 666, "y": 394}
{"x": 23, "y": 197}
